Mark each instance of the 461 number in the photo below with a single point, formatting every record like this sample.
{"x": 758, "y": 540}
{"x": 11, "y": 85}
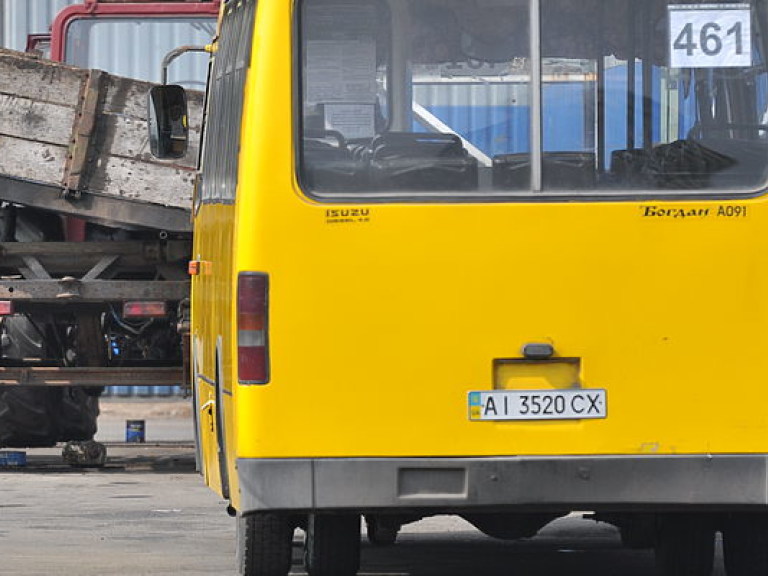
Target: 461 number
{"x": 710, "y": 40}
{"x": 710, "y": 37}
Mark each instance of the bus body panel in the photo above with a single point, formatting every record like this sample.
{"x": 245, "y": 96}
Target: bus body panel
{"x": 211, "y": 309}
{"x": 359, "y": 330}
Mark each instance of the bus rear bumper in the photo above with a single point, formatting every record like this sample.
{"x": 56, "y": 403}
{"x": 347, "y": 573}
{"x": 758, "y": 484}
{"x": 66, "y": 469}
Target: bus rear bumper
{"x": 527, "y": 483}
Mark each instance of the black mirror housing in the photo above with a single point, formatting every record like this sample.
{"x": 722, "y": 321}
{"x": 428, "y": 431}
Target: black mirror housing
{"x": 168, "y": 121}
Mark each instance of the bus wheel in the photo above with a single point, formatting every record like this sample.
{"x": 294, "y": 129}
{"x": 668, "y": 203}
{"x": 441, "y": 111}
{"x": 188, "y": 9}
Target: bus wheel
{"x": 379, "y": 532}
{"x": 264, "y": 542}
{"x": 685, "y": 545}
{"x": 745, "y": 545}
{"x": 332, "y": 545}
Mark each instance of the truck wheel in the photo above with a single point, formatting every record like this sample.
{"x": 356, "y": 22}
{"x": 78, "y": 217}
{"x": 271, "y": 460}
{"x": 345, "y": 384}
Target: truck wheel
{"x": 75, "y": 413}
{"x": 332, "y": 545}
{"x": 264, "y": 543}
{"x": 685, "y": 545}
{"x": 745, "y": 545}
{"x": 380, "y": 533}
{"x": 25, "y": 413}
{"x": 25, "y": 420}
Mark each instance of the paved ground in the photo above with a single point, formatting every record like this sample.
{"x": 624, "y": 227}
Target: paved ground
{"x": 147, "y": 513}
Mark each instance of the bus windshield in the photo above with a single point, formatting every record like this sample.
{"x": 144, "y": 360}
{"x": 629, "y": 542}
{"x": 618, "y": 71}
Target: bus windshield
{"x": 457, "y": 98}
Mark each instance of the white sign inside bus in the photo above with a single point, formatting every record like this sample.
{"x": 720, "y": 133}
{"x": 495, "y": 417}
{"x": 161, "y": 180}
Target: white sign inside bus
{"x": 710, "y": 36}
{"x": 576, "y": 404}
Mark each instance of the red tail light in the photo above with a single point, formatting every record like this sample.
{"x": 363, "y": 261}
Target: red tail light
{"x": 152, "y": 309}
{"x": 6, "y": 307}
{"x": 252, "y": 345}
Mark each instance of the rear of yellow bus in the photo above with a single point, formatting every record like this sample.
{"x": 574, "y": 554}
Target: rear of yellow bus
{"x": 504, "y": 259}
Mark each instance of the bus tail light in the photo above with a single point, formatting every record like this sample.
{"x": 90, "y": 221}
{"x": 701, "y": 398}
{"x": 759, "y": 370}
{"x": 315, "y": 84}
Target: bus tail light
{"x": 252, "y": 348}
{"x": 6, "y": 307}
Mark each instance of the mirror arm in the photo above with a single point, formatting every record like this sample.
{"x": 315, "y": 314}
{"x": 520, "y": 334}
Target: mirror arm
{"x": 176, "y": 52}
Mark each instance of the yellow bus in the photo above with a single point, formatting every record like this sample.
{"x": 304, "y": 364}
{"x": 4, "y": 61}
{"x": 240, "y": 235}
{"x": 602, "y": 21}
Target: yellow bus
{"x": 504, "y": 259}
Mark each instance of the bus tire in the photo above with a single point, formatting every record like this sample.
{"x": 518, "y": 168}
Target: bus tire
{"x": 332, "y": 545}
{"x": 380, "y": 533}
{"x": 685, "y": 545}
{"x": 638, "y": 531}
{"x": 745, "y": 545}
{"x": 264, "y": 544}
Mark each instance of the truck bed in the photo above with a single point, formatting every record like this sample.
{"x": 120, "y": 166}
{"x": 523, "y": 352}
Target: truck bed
{"x": 75, "y": 141}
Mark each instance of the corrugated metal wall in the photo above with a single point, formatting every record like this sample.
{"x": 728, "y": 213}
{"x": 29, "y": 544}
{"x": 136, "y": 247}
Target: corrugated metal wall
{"x": 120, "y": 49}
{"x": 21, "y": 17}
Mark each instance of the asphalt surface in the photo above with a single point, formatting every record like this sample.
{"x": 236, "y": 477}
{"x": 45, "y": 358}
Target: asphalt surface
{"x": 147, "y": 512}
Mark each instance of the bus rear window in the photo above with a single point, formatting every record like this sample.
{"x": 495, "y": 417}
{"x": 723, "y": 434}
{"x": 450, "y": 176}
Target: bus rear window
{"x": 443, "y": 99}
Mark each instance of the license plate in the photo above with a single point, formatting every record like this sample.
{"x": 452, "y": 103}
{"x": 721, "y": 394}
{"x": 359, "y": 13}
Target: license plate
{"x": 574, "y": 404}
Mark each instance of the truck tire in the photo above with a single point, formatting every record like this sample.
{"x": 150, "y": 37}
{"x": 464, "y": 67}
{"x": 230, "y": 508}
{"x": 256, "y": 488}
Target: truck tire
{"x": 685, "y": 545}
{"x": 25, "y": 419}
{"x": 264, "y": 544}
{"x": 332, "y": 545}
{"x": 75, "y": 413}
{"x": 21, "y": 339}
{"x": 37, "y": 417}
{"x": 745, "y": 545}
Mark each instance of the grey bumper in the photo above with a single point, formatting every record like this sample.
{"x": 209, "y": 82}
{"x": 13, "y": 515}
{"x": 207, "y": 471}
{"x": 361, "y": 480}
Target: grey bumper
{"x": 530, "y": 483}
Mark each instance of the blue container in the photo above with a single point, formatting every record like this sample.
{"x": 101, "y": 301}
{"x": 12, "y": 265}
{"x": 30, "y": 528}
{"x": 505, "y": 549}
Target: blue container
{"x": 134, "y": 431}
{"x": 12, "y": 459}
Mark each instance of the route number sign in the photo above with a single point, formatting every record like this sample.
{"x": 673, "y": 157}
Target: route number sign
{"x": 710, "y": 36}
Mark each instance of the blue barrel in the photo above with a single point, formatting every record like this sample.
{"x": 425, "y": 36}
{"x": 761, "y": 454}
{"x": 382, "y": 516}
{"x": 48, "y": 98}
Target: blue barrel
{"x": 134, "y": 431}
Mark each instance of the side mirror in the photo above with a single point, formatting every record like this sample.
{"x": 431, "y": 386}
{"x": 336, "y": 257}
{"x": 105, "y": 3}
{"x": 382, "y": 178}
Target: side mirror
{"x": 168, "y": 126}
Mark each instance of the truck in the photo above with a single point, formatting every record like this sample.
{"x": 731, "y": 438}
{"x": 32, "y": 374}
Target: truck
{"x": 94, "y": 233}
{"x": 503, "y": 259}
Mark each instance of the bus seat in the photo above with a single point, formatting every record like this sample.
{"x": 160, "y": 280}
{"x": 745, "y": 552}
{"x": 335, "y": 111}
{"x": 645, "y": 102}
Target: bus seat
{"x": 678, "y": 165}
{"x": 420, "y": 161}
{"x": 560, "y": 171}
{"x": 328, "y": 163}
{"x": 628, "y": 167}
{"x": 742, "y": 162}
